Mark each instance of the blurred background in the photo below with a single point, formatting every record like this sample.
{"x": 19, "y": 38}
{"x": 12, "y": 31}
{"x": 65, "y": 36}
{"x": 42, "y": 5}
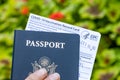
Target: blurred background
{"x": 98, "y": 15}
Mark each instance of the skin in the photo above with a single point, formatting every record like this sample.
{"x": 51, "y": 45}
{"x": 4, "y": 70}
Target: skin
{"x": 42, "y": 75}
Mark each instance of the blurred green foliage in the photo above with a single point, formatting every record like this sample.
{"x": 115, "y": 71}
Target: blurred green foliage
{"x": 98, "y": 15}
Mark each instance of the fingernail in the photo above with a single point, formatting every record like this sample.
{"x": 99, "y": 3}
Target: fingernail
{"x": 41, "y": 72}
{"x": 54, "y": 76}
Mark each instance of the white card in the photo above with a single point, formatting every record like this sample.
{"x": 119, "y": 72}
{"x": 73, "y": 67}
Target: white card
{"x": 89, "y": 40}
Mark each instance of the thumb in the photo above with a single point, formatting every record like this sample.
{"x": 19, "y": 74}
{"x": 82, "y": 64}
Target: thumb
{"x": 38, "y": 75}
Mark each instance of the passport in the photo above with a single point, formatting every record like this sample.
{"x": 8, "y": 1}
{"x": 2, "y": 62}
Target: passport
{"x": 56, "y": 52}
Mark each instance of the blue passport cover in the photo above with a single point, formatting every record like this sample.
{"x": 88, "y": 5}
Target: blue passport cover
{"x": 57, "y": 52}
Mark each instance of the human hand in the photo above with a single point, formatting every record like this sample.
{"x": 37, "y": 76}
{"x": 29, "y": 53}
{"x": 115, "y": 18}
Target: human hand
{"x": 42, "y": 75}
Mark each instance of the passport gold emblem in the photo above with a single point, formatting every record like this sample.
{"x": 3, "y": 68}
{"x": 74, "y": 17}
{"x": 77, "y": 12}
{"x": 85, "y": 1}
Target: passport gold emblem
{"x": 44, "y": 62}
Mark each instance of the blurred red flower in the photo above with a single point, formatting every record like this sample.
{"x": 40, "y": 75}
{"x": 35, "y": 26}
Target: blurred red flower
{"x": 24, "y": 0}
{"x": 56, "y": 16}
{"x": 25, "y": 10}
